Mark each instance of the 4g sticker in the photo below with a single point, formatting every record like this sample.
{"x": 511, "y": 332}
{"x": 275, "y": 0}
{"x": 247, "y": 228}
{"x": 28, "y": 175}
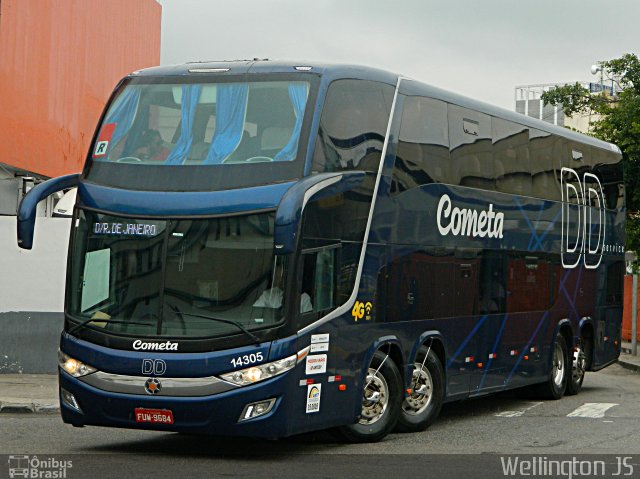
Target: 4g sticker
{"x": 362, "y": 310}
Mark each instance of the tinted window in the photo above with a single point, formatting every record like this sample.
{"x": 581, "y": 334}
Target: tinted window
{"x": 545, "y": 165}
{"x": 204, "y": 134}
{"x": 607, "y": 166}
{"x": 353, "y": 126}
{"x": 177, "y": 278}
{"x": 423, "y": 147}
{"x": 471, "y": 150}
{"x": 332, "y": 234}
{"x": 511, "y": 157}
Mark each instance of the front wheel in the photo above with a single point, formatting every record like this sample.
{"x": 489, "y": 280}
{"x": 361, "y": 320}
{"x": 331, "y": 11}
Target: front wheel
{"x": 421, "y": 408}
{"x": 556, "y": 384}
{"x": 381, "y": 401}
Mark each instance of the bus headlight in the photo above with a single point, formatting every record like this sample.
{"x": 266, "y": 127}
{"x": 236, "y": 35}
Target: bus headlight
{"x": 254, "y": 374}
{"x": 73, "y": 366}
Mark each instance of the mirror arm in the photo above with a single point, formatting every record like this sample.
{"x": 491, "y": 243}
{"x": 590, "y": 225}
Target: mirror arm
{"x": 29, "y": 204}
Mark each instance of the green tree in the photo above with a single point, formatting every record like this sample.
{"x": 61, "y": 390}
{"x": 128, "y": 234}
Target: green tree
{"x": 619, "y": 123}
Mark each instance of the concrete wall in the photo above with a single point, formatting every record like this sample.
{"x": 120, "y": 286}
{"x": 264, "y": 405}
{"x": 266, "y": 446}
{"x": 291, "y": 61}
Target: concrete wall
{"x": 32, "y": 295}
{"x": 29, "y": 342}
{"x": 33, "y": 280}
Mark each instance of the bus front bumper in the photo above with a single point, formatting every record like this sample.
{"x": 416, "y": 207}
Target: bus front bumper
{"x": 220, "y": 414}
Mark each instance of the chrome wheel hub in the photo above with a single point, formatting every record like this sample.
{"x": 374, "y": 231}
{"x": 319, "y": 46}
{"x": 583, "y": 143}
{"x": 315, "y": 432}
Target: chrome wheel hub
{"x": 579, "y": 364}
{"x": 558, "y": 365}
{"x": 421, "y": 391}
{"x": 375, "y": 399}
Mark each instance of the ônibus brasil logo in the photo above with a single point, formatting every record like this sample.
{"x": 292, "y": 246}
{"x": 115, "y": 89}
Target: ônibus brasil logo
{"x": 468, "y": 222}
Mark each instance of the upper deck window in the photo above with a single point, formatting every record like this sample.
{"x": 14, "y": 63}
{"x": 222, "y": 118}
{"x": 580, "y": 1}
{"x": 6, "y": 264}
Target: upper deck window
{"x": 247, "y": 129}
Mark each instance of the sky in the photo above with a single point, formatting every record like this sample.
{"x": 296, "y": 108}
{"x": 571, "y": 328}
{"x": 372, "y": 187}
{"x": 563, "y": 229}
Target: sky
{"x": 479, "y": 48}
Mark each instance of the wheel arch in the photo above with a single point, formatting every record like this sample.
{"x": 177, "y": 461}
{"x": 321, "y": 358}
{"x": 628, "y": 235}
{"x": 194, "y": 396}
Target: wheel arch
{"x": 389, "y": 345}
{"x": 431, "y": 338}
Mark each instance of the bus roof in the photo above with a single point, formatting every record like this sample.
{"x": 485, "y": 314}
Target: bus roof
{"x": 332, "y": 72}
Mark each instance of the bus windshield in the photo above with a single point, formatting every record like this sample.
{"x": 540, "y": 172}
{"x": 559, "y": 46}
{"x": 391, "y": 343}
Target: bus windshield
{"x": 175, "y": 278}
{"x": 159, "y": 134}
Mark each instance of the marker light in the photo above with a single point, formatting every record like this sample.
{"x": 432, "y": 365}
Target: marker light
{"x": 73, "y": 367}
{"x": 251, "y": 375}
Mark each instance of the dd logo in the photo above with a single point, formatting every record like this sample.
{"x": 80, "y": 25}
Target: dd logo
{"x": 154, "y": 367}
{"x": 583, "y": 219}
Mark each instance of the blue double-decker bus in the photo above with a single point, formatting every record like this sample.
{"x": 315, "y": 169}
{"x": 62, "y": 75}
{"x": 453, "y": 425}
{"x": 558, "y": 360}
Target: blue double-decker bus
{"x": 263, "y": 249}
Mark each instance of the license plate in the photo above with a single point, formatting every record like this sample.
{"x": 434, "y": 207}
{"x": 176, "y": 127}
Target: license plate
{"x": 154, "y": 416}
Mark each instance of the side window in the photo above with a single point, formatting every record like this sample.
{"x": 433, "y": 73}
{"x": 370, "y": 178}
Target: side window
{"x": 471, "y": 150}
{"x": 511, "y": 157}
{"x": 545, "y": 165}
{"x": 607, "y": 166}
{"x": 319, "y": 279}
{"x": 423, "y": 146}
{"x": 353, "y": 126}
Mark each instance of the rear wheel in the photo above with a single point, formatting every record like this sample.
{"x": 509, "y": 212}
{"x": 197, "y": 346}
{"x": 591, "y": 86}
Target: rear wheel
{"x": 578, "y": 368}
{"x": 381, "y": 401}
{"x": 556, "y": 384}
{"x": 421, "y": 408}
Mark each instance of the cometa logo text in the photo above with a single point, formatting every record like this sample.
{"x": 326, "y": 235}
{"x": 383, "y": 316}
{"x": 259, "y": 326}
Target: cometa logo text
{"x": 468, "y": 222}
{"x": 142, "y": 346}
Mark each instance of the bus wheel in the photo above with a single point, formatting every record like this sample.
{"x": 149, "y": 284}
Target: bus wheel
{"x": 556, "y": 384}
{"x": 380, "y": 402}
{"x": 578, "y": 368}
{"x": 422, "y": 407}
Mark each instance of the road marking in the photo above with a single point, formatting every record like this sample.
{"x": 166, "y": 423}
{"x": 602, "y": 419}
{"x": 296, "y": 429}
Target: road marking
{"x": 592, "y": 409}
{"x": 526, "y": 406}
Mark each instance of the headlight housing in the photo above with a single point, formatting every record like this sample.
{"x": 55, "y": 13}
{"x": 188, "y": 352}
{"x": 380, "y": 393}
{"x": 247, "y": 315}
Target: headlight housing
{"x": 254, "y": 374}
{"x": 73, "y": 366}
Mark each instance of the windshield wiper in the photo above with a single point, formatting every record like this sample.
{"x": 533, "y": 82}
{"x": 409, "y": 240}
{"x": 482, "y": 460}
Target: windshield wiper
{"x": 213, "y": 318}
{"x": 98, "y": 320}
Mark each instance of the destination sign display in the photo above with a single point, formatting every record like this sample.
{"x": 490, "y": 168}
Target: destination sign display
{"x": 125, "y": 228}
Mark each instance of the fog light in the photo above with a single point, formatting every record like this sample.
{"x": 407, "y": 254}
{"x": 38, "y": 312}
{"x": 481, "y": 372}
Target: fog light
{"x": 257, "y": 409}
{"x": 70, "y": 400}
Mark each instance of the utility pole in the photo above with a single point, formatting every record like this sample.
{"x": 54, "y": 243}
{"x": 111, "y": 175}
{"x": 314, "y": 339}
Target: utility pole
{"x": 634, "y": 316}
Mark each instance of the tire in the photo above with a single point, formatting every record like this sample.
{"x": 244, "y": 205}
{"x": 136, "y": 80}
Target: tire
{"x": 381, "y": 402}
{"x": 422, "y": 407}
{"x": 556, "y": 384}
{"x": 578, "y": 368}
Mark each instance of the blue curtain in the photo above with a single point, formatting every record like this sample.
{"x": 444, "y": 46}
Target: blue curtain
{"x": 298, "y": 92}
{"x": 190, "y": 97}
{"x": 231, "y": 104}
{"x": 123, "y": 112}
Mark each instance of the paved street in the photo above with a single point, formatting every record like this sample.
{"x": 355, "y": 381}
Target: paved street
{"x": 603, "y": 419}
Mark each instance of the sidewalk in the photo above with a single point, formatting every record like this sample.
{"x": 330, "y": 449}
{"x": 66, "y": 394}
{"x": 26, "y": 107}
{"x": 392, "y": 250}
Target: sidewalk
{"x": 28, "y": 393}
{"x": 39, "y": 392}
{"x": 627, "y": 360}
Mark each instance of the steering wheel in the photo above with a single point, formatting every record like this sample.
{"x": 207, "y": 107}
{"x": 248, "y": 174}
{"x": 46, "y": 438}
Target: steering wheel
{"x": 129, "y": 159}
{"x": 258, "y": 159}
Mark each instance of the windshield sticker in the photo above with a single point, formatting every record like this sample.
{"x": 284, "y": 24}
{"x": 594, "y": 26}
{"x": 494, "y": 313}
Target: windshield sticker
{"x": 102, "y": 143}
{"x": 127, "y": 229}
{"x": 313, "y": 398}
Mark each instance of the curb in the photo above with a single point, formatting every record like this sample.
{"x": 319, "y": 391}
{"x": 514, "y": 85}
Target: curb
{"x": 10, "y": 407}
{"x": 628, "y": 365}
